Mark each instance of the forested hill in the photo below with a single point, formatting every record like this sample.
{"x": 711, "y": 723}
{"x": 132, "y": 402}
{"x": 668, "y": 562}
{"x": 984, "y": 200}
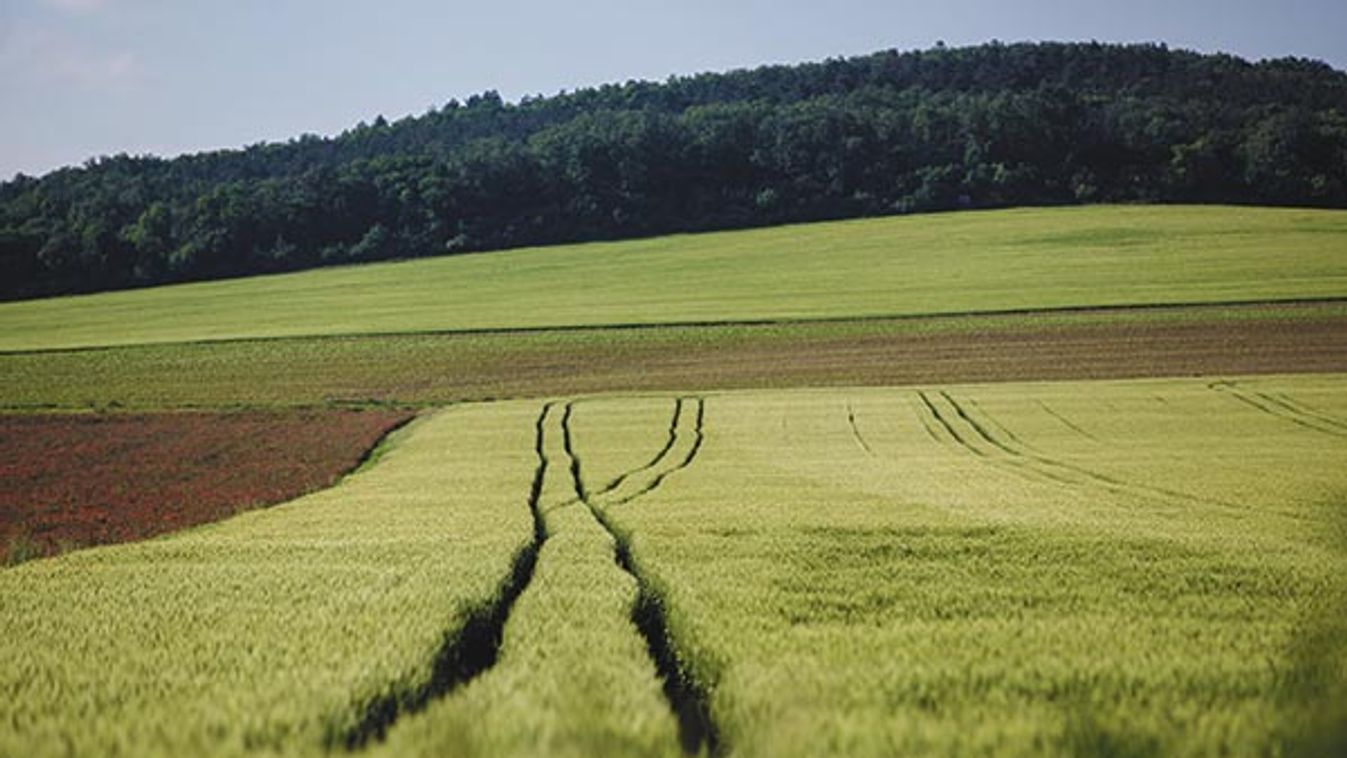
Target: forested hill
{"x": 892, "y": 132}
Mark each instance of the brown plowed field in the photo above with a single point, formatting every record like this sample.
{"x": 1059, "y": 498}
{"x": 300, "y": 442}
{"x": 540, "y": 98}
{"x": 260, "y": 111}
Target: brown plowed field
{"x": 1075, "y": 351}
{"x": 439, "y": 368}
{"x": 74, "y": 480}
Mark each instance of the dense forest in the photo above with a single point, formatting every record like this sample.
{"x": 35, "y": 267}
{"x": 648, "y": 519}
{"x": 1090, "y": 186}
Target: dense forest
{"x": 893, "y": 132}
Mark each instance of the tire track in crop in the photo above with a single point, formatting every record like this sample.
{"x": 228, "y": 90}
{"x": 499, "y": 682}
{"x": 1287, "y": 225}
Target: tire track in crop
{"x": 1070, "y": 473}
{"x": 949, "y": 423}
{"x": 949, "y": 429}
{"x": 1058, "y": 470}
{"x": 1068, "y": 423}
{"x": 856, "y": 432}
{"x": 1282, "y": 408}
{"x": 1286, "y": 401}
{"x": 648, "y": 478}
{"x": 689, "y": 700}
{"x": 923, "y": 415}
{"x": 472, "y": 648}
{"x": 659, "y": 456}
{"x": 998, "y": 426}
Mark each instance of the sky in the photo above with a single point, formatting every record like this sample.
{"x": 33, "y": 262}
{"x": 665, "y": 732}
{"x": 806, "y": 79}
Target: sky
{"x": 83, "y": 78}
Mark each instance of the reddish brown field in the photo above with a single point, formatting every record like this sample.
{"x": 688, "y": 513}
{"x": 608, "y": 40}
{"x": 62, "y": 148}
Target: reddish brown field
{"x": 80, "y": 480}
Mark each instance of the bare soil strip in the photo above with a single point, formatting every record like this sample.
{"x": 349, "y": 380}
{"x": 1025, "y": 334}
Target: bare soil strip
{"x": 1210, "y": 341}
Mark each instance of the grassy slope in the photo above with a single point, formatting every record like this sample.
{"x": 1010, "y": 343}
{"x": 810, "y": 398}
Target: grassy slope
{"x": 906, "y": 595}
{"x": 1016, "y": 259}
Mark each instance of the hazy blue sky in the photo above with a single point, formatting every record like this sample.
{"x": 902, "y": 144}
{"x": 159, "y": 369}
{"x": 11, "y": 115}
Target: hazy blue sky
{"x": 80, "y": 78}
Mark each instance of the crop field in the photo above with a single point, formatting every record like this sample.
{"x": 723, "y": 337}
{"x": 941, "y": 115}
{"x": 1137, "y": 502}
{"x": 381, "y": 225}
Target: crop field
{"x": 1027, "y": 482}
{"x": 991, "y": 261}
{"x": 282, "y": 628}
{"x": 1098, "y": 567}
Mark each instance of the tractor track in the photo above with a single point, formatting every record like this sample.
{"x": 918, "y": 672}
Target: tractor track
{"x": 949, "y": 428}
{"x": 1283, "y": 408}
{"x": 654, "y": 473}
{"x": 689, "y": 700}
{"x": 1101, "y": 480}
{"x": 1294, "y": 406}
{"x": 474, "y": 646}
{"x": 856, "y": 432}
{"x": 658, "y": 457}
{"x": 993, "y": 423}
{"x": 1059, "y": 471}
{"x": 1068, "y": 423}
{"x": 963, "y": 442}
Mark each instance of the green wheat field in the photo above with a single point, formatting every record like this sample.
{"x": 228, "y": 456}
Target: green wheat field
{"x": 1131, "y": 566}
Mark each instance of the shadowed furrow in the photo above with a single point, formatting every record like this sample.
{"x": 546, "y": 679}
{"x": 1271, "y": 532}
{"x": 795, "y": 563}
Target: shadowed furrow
{"x": 968, "y": 442}
{"x": 658, "y": 457}
{"x": 1286, "y": 410}
{"x": 645, "y": 479}
{"x": 475, "y": 646}
{"x": 856, "y": 432}
{"x": 688, "y": 699}
{"x": 1070, "y": 473}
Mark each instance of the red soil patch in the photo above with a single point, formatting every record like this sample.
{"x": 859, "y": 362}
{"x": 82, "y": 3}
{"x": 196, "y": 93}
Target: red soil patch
{"x": 71, "y": 481}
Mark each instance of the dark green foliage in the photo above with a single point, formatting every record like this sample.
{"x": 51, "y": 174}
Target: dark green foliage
{"x": 892, "y": 132}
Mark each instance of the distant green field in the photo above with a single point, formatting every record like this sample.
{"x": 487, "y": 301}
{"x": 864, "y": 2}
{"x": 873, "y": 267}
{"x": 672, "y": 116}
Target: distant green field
{"x": 949, "y": 263}
{"x": 1148, "y": 567}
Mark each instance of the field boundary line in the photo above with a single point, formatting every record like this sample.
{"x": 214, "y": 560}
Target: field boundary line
{"x": 383, "y": 446}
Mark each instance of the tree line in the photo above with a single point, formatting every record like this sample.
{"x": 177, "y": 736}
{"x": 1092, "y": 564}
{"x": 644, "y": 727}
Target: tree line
{"x": 894, "y": 132}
